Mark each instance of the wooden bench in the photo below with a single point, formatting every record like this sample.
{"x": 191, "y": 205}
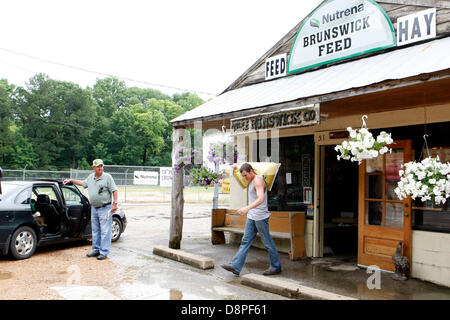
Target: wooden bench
{"x": 288, "y": 225}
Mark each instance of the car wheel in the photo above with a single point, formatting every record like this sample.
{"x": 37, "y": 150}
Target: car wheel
{"x": 23, "y": 243}
{"x": 116, "y": 229}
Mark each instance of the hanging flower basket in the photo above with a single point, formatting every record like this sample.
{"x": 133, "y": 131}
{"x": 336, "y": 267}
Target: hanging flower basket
{"x": 203, "y": 177}
{"x": 197, "y": 173}
{"x": 428, "y": 179}
{"x": 362, "y": 145}
{"x": 366, "y": 154}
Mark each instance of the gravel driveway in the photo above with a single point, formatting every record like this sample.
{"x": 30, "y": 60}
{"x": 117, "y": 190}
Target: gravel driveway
{"x": 54, "y": 266}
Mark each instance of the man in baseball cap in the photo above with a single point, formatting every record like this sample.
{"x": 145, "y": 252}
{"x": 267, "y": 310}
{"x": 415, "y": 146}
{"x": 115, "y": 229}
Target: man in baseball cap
{"x": 97, "y": 162}
{"x": 101, "y": 188}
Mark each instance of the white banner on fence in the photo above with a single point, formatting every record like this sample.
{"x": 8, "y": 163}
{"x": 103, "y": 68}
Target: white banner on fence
{"x": 145, "y": 177}
{"x": 166, "y": 176}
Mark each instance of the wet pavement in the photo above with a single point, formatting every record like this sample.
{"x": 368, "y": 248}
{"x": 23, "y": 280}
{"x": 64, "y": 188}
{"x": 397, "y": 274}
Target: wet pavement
{"x": 147, "y": 276}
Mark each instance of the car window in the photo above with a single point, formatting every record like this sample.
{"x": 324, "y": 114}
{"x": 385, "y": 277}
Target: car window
{"x": 44, "y": 190}
{"x": 10, "y": 189}
{"x": 71, "y": 197}
{"x": 23, "y": 197}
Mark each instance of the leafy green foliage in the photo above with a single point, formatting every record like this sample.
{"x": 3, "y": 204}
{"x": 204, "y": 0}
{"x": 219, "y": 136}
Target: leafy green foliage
{"x": 51, "y": 124}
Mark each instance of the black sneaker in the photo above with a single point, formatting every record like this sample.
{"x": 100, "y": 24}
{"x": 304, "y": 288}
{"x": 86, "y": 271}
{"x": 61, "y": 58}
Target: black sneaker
{"x": 101, "y": 257}
{"x": 230, "y": 268}
{"x": 93, "y": 254}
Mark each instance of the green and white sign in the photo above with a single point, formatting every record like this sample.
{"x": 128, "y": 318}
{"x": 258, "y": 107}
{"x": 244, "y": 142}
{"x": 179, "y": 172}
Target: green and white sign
{"x": 340, "y": 29}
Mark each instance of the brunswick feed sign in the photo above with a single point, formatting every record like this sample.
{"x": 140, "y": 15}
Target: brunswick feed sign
{"x": 340, "y": 29}
{"x": 294, "y": 117}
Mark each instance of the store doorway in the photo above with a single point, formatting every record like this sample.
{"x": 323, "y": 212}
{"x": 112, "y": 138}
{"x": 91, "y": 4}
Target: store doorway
{"x": 340, "y": 203}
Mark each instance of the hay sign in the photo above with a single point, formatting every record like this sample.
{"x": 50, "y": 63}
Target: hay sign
{"x": 416, "y": 27}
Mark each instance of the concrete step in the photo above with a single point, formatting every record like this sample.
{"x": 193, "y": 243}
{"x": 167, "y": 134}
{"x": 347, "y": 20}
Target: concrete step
{"x": 288, "y": 288}
{"x": 191, "y": 259}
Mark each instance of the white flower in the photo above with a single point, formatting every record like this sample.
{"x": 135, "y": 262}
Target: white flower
{"x": 413, "y": 180}
{"x": 361, "y": 145}
{"x": 438, "y": 199}
{"x": 421, "y": 175}
{"x": 436, "y": 190}
{"x": 364, "y": 131}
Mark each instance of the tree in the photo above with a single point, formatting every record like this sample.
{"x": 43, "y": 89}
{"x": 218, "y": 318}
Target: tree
{"x": 21, "y": 153}
{"x": 170, "y": 110}
{"x": 6, "y": 114}
{"x": 50, "y": 124}
{"x": 122, "y": 138}
{"x": 56, "y": 118}
{"x": 110, "y": 95}
{"x": 187, "y": 100}
{"x": 135, "y": 95}
{"x": 149, "y": 125}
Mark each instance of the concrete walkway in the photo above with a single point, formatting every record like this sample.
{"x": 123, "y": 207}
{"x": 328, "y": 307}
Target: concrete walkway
{"x": 332, "y": 278}
{"x": 153, "y": 276}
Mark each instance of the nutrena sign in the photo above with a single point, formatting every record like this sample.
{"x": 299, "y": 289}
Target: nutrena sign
{"x": 340, "y": 29}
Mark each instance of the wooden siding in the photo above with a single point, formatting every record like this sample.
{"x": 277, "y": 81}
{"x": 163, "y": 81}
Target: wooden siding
{"x": 394, "y": 9}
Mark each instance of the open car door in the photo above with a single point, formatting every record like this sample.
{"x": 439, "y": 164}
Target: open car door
{"x": 77, "y": 210}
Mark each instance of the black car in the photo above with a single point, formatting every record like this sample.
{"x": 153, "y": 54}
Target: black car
{"x": 37, "y": 213}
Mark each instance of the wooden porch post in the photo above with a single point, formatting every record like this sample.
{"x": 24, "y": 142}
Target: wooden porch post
{"x": 176, "y": 218}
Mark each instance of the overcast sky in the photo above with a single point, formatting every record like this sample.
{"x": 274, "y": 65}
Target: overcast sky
{"x": 201, "y": 45}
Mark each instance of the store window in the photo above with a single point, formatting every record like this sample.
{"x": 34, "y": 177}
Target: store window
{"x": 426, "y": 215}
{"x": 429, "y": 216}
{"x": 294, "y": 185}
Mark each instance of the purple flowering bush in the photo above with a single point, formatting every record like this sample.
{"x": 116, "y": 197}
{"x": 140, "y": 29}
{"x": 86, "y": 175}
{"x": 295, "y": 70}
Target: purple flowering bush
{"x": 185, "y": 158}
{"x": 222, "y": 152}
{"x": 198, "y": 173}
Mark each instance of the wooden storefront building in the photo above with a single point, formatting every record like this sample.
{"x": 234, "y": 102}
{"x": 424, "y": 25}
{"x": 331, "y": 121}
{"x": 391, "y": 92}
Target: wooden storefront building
{"x": 389, "y": 60}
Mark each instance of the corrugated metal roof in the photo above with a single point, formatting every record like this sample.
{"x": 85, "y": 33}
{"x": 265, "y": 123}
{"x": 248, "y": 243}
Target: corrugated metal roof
{"x": 425, "y": 58}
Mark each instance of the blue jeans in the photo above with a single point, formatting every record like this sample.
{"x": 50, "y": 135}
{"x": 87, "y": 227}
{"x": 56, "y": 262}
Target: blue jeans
{"x": 251, "y": 228}
{"x": 101, "y": 230}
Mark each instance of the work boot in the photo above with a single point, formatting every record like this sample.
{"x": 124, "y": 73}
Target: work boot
{"x": 230, "y": 268}
{"x": 93, "y": 254}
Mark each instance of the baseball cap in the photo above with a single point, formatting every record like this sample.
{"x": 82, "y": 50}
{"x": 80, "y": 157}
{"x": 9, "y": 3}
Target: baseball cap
{"x": 97, "y": 162}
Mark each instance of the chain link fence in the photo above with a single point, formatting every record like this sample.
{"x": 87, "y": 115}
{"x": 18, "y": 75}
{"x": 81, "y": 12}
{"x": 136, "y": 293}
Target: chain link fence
{"x": 137, "y": 184}
{"x": 33, "y": 175}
